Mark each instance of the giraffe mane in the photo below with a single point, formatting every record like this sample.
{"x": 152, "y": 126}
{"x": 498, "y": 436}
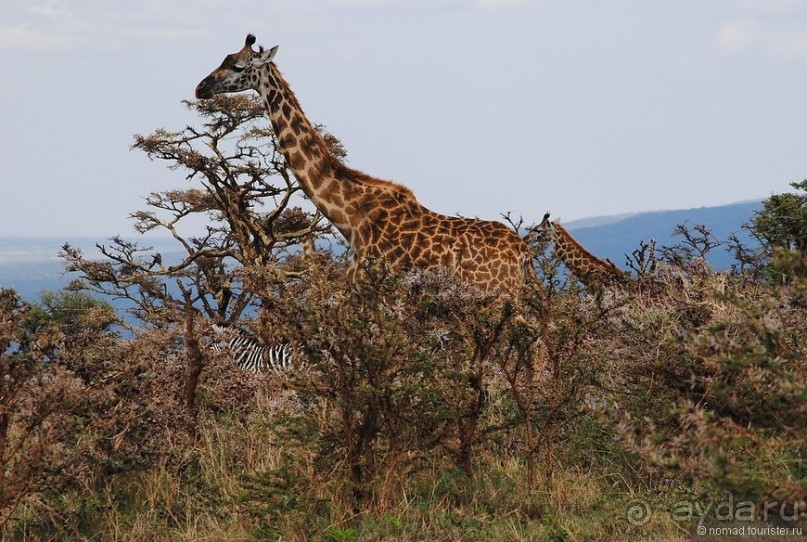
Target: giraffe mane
{"x": 356, "y": 176}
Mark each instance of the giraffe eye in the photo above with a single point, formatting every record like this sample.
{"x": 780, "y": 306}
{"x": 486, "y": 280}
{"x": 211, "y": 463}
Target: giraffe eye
{"x": 239, "y": 67}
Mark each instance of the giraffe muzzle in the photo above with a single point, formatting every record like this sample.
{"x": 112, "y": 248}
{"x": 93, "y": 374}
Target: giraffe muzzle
{"x": 203, "y": 91}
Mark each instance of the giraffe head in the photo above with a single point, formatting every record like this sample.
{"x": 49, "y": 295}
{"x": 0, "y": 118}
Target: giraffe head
{"x": 543, "y": 232}
{"x": 238, "y": 72}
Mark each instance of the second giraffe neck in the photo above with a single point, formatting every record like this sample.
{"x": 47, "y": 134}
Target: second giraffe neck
{"x": 565, "y": 245}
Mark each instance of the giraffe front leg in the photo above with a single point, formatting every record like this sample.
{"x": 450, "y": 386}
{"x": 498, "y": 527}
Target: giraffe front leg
{"x": 366, "y": 274}
{"x": 353, "y": 274}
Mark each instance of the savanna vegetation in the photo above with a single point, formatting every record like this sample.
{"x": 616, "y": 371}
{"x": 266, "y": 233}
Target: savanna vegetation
{"x": 423, "y": 410}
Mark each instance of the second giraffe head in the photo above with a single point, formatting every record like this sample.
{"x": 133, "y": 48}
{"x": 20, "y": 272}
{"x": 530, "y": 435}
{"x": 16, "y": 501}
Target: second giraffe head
{"x": 238, "y": 71}
{"x": 543, "y": 232}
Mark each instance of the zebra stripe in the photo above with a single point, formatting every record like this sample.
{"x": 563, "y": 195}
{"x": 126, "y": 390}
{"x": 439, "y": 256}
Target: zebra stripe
{"x": 249, "y": 354}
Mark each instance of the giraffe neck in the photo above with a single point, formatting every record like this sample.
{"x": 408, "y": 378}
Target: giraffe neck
{"x": 565, "y": 248}
{"x": 579, "y": 260}
{"x": 320, "y": 174}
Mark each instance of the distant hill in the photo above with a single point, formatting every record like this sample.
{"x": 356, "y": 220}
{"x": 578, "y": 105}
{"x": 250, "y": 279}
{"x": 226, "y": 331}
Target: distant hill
{"x": 613, "y": 237}
{"x": 31, "y": 264}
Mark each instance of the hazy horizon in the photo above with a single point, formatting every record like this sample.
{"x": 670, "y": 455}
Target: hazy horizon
{"x": 90, "y": 240}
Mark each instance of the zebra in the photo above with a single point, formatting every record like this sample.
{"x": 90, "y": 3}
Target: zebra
{"x": 248, "y": 352}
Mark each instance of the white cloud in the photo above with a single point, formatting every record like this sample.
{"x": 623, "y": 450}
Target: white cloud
{"x": 790, "y": 45}
{"x": 104, "y": 25}
{"x": 52, "y": 9}
{"x": 773, "y": 38}
{"x": 777, "y": 28}
{"x": 21, "y": 37}
{"x": 39, "y": 27}
{"x": 736, "y": 37}
{"x": 70, "y": 25}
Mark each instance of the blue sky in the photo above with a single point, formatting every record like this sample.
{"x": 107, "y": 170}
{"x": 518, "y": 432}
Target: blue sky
{"x": 579, "y": 107}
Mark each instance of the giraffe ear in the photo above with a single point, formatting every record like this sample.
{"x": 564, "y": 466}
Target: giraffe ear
{"x": 264, "y": 57}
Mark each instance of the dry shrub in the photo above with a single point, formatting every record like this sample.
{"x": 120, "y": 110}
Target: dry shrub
{"x": 714, "y": 394}
{"x": 78, "y": 406}
{"x": 419, "y": 374}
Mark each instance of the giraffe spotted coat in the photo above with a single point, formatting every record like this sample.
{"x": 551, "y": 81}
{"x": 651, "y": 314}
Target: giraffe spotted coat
{"x": 380, "y": 219}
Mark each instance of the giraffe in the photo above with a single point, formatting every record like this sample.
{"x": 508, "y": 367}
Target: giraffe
{"x": 589, "y": 269}
{"x": 380, "y": 219}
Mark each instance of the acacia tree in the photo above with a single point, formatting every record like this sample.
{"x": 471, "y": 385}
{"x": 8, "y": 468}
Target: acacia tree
{"x": 240, "y": 215}
{"x": 783, "y": 220}
{"x": 780, "y": 227}
{"x": 242, "y": 193}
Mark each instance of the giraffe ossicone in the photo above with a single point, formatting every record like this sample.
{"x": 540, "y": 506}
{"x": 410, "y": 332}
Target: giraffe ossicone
{"x": 380, "y": 219}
